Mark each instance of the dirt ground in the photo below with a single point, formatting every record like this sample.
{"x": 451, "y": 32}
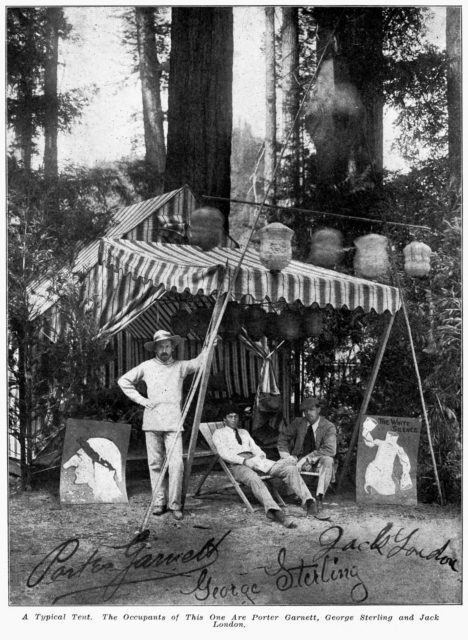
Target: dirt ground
{"x": 222, "y": 554}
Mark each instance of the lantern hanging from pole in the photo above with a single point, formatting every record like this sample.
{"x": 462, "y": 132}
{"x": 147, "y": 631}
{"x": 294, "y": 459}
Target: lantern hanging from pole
{"x": 289, "y": 325}
{"x": 371, "y": 258}
{"x": 275, "y": 246}
{"x": 417, "y": 259}
{"x": 326, "y": 249}
{"x": 271, "y": 326}
{"x": 254, "y": 322}
{"x": 231, "y": 323}
{"x": 206, "y": 228}
{"x": 312, "y": 322}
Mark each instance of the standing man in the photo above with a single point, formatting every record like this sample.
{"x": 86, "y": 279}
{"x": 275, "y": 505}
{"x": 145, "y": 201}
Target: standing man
{"x": 164, "y": 377}
{"x": 309, "y": 440}
{"x": 247, "y": 460}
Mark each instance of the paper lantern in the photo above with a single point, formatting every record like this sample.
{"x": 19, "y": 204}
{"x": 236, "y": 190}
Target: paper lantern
{"x": 231, "y": 323}
{"x": 289, "y": 325}
{"x": 371, "y": 258}
{"x": 326, "y": 249}
{"x": 254, "y": 322}
{"x": 271, "y": 326}
{"x": 181, "y": 323}
{"x": 201, "y": 320}
{"x": 417, "y": 259}
{"x": 312, "y": 322}
{"x": 206, "y": 228}
{"x": 275, "y": 246}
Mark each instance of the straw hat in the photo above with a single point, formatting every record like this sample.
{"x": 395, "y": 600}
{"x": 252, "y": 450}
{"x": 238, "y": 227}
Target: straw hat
{"x": 159, "y": 336}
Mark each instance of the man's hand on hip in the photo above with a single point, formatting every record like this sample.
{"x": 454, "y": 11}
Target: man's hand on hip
{"x": 150, "y": 405}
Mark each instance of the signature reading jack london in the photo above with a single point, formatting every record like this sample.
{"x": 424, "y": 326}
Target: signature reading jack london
{"x": 62, "y": 564}
{"x": 325, "y": 565}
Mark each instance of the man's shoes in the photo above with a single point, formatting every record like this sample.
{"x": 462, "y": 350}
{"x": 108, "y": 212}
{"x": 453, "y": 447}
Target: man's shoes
{"x": 310, "y": 507}
{"x": 278, "y": 516}
{"x": 178, "y": 515}
{"x": 158, "y": 511}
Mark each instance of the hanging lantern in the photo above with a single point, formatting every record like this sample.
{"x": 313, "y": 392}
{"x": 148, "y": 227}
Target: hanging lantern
{"x": 289, "y": 325}
{"x": 206, "y": 228}
{"x": 231, "y": 323}
{"x": 271, "y": 326}
{"x": 254, "y": 322}
{"x": 181, "y": 323}
{"x": 201, "y": 320}
{"x": 371, "y": 258}
{"x": 326, "y": 249}
{"x": 275, "y": 246}
{"x": 312, "y": 322}
{"x": 417, "y": 259}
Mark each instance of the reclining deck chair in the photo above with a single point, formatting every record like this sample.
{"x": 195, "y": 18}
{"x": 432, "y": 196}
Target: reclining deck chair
{"x": 207, "y": 429}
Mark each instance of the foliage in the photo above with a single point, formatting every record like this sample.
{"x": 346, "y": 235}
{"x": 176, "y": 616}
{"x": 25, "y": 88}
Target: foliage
{"x": 27, "y": 42}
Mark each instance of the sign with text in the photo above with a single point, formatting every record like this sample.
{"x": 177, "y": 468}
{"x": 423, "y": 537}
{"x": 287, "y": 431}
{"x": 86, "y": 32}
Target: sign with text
{"x": 93, "y": 462}
{"x": 387, "y": 460}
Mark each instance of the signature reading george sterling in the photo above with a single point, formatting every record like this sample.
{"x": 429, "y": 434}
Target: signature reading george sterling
{"x": 310, "y": 440}
{"x": 247, "y": 460}
{"x": 164, "y": 377}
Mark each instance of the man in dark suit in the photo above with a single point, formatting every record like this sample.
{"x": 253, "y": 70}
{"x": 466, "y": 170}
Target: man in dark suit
{"x": 311, "y": 440}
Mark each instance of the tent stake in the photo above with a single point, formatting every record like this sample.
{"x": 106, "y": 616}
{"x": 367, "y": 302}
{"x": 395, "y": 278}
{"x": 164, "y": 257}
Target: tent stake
{"x": 365, "y": 400}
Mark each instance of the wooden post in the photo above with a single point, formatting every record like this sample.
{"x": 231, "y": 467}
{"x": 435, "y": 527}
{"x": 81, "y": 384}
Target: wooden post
{"x": 367, "y": 395}
{"x": 217, "y": 316}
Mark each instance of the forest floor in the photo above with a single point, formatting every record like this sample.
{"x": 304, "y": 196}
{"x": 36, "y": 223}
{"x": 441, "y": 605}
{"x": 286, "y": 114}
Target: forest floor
{"x": 222, "y": 554}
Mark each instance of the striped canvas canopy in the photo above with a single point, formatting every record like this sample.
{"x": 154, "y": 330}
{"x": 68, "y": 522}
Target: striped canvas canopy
{"x": 186, "y": 268}
{"x": 140, "y": 221}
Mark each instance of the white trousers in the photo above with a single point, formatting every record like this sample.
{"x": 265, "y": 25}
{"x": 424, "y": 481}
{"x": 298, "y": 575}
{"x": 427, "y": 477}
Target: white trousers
{"x": 158, "y": 445}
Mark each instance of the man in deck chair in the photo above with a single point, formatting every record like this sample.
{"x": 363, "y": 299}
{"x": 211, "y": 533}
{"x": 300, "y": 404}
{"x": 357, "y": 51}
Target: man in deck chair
{"x": 247, "y": 460}
{"x": 308, "y": 441}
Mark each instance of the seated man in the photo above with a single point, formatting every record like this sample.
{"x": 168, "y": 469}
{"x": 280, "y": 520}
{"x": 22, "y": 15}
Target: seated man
{"x": 236, "y": 446}
{"x": 309, "y": 440}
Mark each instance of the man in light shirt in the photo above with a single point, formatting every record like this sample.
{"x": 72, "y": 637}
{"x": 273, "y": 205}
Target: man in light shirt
{"x": 247, "y": 460}
{"x": 164, "y": 377}
{"x": 309, "y": 440}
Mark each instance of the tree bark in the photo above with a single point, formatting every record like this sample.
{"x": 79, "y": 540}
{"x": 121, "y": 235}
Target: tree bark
{"x": 290, "y": 94}
{"x": 25, "y": 127}
{"x": 453, "y": 36}
{"x": 200, "y": 102}
{"x": 54, "y": 15}
{"x": 270, "y": 106}
{"x": 153, "y": 117}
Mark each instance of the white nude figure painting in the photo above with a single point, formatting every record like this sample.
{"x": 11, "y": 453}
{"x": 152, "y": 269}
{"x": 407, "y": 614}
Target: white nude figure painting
{"x": 98, "y": 463}
{"x": 380, "y": 474}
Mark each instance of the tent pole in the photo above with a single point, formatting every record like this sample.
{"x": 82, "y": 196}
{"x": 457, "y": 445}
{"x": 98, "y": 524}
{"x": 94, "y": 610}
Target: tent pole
{"x": 367, "y": 395}
{"x": 218, "y": 311}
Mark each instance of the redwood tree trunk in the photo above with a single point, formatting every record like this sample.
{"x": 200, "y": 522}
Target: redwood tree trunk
{"x": 50, "y": 93}
{"x": 153, "y": 117}
{"x": 453, "y": 35}
{"x": 290, "y": 100}
{"x": 270, "y": 106}
{"x": 200, "y": 102}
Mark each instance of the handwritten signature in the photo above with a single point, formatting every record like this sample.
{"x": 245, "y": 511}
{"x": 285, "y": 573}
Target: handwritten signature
{"x": 140, "y": 565}
{"x": 388, "y": 543}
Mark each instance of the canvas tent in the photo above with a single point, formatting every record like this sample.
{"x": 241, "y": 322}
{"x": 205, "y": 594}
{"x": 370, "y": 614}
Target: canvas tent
{"x": 138, "y": 274}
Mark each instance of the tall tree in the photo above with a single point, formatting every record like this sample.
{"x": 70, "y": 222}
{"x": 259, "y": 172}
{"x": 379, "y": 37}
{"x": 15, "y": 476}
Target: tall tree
{"x": 270, "y": 105}
{"x": 453, "y": 36}
{"x": 200, "y": 102}
{"x": 153, "y": 116}
{"x": 54, "y": 16}
{"x": 290, "y": 88}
